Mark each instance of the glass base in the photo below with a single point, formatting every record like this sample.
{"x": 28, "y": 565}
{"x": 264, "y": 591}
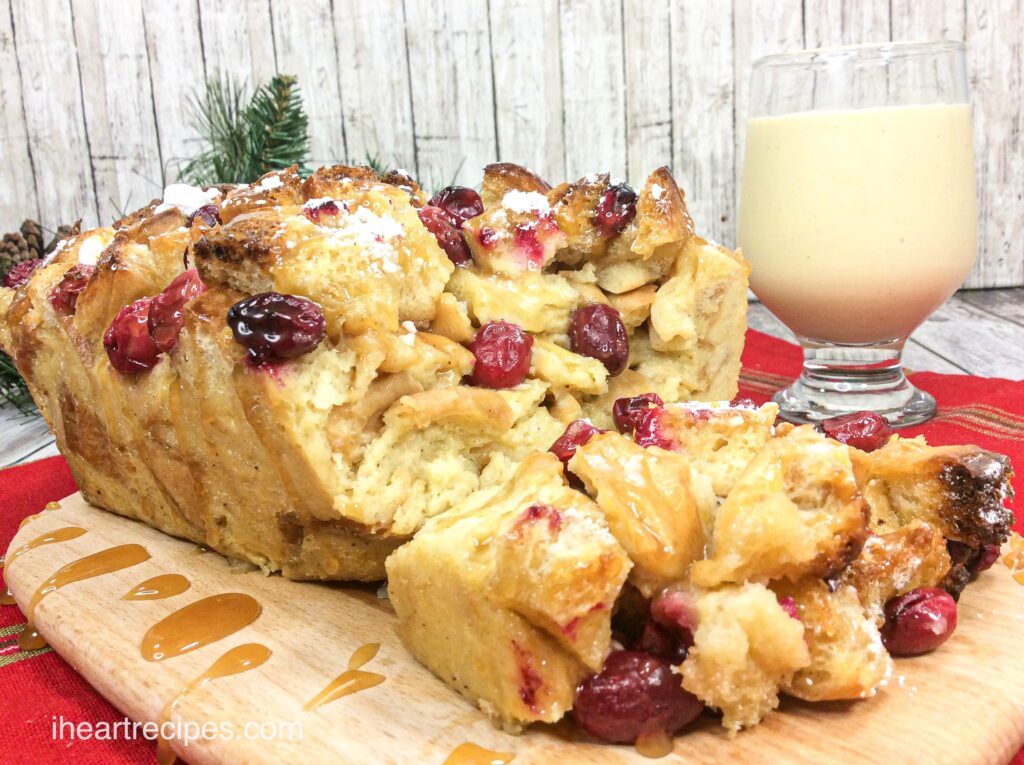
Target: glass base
{"x": 839, "y": 380}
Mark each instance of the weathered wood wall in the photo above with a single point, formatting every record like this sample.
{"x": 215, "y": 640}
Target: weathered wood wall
{"x": 94, "y": 92}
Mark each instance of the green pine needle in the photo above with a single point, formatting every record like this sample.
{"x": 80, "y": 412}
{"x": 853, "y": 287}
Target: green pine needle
{"x": 247, "y": 137}
{"x": 13, "y": 389}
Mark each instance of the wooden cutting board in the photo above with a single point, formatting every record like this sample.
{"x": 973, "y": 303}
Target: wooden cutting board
{"x": 963, "y": 705}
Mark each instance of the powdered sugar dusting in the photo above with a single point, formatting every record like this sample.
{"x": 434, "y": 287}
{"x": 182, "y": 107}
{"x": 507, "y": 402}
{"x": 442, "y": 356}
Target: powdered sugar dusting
{"x": 270, "y": 182}
{"x": 186, "y": 198}
{"x": 525, "y": 201}
{"x": 373, "y": 233}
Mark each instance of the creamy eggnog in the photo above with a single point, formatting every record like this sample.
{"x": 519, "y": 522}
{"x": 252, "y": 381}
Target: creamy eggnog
{"x": 859, "y": 223}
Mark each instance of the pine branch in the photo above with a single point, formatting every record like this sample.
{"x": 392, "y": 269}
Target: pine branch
{"x": 13, "y": 389}
{"x": 247, "y": 137}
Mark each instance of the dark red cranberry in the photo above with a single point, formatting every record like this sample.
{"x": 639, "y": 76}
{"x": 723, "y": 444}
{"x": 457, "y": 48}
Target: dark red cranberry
{"x": 790, "y": 607}
{"x": 650, "y": 429}
{"x": 577, "y": 433}
{"x": 448, "y": 237}
{"x": 866, "y": 431}
{"x": 275, "y": 327}
{"x": 503, "y": 352}
{"x": 64, "y": 297}
{"x": 625, "y": 410}
{"x": 324, "y": 207}
{"x": 742, "y": 403}
{"x": 986, "y": 558}
{"x": 676, "y": 609}
{"x": 127, "y": 341}
{"x": 615, "y": 209}
{"x": 21, "y": 273}
{"x": 459, "y": 202}
{"x": 918, "y": 621}
{"x": 668, "y": 643}
{"x": 597, "y": 331}
{"x": 207, "y": 214}
{"x": 635, "y": 693}
{"x": 167, "y": 314}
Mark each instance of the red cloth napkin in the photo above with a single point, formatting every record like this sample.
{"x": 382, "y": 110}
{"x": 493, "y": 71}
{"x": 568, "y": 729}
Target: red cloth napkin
{"x": 39, "y": 686}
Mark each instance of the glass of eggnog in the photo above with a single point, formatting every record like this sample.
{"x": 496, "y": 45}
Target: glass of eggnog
{"x": 858, "y": 213}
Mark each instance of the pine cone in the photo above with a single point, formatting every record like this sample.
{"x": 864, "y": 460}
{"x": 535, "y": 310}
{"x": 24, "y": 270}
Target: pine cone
{"x": 33, "y": 235}
{"x": 13, "y": 250}
{"x": 63, "y": 232}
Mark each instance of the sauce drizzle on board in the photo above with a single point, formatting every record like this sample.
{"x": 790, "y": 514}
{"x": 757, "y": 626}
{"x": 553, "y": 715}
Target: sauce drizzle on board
{"x": 235, "y": 661}
{"x": 103, "y": 562}
{"x": 50, "y": 537}
{"x": 199, "y": 623}
{"x": 352, "y": 680}
{"x": 471, "y": 754}
{"x": 158, "y": 588}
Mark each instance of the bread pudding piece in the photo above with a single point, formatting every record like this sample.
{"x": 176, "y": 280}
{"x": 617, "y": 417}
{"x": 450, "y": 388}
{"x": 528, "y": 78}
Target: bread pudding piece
{"x": 896, "y": 562}
{"x": 960, "y": 490}
{"x": 720, "y": 438}
{"x": 847, "y": 658}
{"x": 795, "y": 511}
{"x": 746, "y": 646}
{"x": 508, "y": 596}
{"x": 329, "y": 375}
{"x": 654, "y": 505}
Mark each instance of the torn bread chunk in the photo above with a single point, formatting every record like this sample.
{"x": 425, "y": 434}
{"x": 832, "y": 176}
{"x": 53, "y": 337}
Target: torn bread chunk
{"x": 508, "y": 597}
{"x": 745, "y": 648}
{"x": 794, "y": 511}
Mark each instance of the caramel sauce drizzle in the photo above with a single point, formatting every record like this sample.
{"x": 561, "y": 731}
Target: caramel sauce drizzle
{"x": 50, "y": 506}
{"x": 6, "y": 598}
{"x": 471, "y": 754}
{"x": 655, "y": 744}
{"x": 352, "y": 680}
{"x": 97, "y": 564}
{"x": 158, "y": 588}
{"x": 239, "y": 659}
{"x": 50, "y": 537}
{"x": 197, "y": 624}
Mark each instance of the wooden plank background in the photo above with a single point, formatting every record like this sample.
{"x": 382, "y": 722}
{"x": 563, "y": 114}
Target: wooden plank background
{"x": 94, "y": 92}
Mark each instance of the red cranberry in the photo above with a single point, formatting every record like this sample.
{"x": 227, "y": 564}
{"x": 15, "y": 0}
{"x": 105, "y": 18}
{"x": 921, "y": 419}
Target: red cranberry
{"x": 129, "y": 345}
{"x": 668, "y": 643}
{"x": 649, "y": 429}
{"x": 167, "y": 314}
{"x": 577, "y": 433}
{"x": 625, "y": 410}
{"x": 918, "y": 621}
{"x": 21, "y": 273}
{"x": 635, "y": 693}
{"x": 64, "y": 297}
{"x": 866, "y": 431}
{"x": 790, "y": 607}
{"x": 742, "y": 403}
{"x": 987, "y": 557}
{"x": 207, "y": 214}
{"x": 615, "y": 209}
{"x": 503, "y": 351}
{"x": 274, "y": 327}
{"x": 597, "y": 331}
{"x": 459, "y": 202}
{"x": 676, "y": 609}
{"x": 448, "y": 237}
{"x": 324, "y": 207}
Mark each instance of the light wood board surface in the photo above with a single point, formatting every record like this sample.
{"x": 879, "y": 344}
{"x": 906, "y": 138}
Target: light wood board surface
{"x": 962, "y": 705}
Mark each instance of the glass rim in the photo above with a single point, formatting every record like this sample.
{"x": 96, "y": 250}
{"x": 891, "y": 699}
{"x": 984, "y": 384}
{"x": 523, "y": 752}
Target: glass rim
{"x": 862, "y": 53}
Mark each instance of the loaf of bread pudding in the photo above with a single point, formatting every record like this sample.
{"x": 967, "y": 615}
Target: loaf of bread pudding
{"x": 300, "y": 372}
{"x": 320, "y": 375}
